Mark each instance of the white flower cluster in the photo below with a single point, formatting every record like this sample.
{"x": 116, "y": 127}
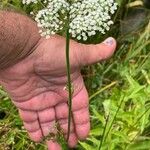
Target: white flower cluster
{"x": 48, "y": 19}
{"x": 86, "y": 17}
{"x": 89, "y": 16}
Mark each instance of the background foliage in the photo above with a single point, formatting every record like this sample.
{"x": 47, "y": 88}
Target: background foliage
{"x": 119, "y": 88}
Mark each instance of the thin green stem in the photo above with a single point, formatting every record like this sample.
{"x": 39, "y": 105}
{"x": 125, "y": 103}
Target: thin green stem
{"x": 103, "y": 89}
{"x": 141, "y": 117}
{"x": 69, "y": 82}
{"x": 41, "y": 3}
{"x": 113, "y": 119}
{"x": 101, "y": 141}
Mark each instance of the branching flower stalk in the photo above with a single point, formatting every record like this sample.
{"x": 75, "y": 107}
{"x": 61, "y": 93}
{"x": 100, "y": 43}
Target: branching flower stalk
{"x": 77, "y": 19}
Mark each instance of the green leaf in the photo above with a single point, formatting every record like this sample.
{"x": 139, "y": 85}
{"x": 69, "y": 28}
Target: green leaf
{"x": 140, "y": 145}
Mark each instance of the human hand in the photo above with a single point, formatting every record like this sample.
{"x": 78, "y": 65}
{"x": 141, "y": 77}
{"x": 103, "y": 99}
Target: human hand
{"x": 37, "y": 88}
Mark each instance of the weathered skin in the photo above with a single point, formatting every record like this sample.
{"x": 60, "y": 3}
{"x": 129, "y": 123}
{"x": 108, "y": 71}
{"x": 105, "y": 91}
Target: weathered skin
{"x": 36, "y": 86}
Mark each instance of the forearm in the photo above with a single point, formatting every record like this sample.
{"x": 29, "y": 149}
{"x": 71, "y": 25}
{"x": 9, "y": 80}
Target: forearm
{"x": 18, "y": 38}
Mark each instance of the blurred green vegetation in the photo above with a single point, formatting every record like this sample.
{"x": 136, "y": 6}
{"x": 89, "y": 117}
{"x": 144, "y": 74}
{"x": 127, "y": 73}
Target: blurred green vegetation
{"x": 119, "y": 88}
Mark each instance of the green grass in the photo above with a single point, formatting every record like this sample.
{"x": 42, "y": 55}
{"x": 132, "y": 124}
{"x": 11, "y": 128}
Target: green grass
{"x": 119, "y": 90}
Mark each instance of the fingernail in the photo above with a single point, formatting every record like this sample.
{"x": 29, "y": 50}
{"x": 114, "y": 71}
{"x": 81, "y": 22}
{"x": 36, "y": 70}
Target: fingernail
{"x": 109, "y": 41}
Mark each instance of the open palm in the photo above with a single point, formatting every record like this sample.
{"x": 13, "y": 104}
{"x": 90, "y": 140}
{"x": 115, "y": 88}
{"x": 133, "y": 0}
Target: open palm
{"x": 37, "y": 88}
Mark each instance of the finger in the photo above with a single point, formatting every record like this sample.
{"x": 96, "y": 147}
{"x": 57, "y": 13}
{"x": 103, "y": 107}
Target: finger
{"x": 62, "y": 117}
{"x": 49, "y": 128}
{"x": 82, "y": 123}
{"x": 47, "y": 121}
{"x": 31, "y": 124}
{"x": 34, "y": 130}
{"x": 89, "y": 54}
{"x": 52, "y": 145}
{"x": 36, "y": 136}
{"x": 28, "y": 116}
{"x": 72, "y": 141}
{"x": 81, "y": 114}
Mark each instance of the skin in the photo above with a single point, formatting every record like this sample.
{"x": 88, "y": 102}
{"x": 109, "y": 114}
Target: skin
{"x": 36, "y": 86}
{"x": 36, "y": 78}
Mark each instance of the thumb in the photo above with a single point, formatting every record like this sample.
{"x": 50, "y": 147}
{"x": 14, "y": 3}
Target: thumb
{"x": 89, "y": 54}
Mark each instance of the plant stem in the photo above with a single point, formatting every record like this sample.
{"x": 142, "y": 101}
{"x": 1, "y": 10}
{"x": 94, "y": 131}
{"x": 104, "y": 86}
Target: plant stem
{"x": 103, "y": 89}
{"x": 113, "y": 119}
{"x": 41, "y": 3}
{"x": 69, "y": 82}
{"x": 101, "y": 141}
